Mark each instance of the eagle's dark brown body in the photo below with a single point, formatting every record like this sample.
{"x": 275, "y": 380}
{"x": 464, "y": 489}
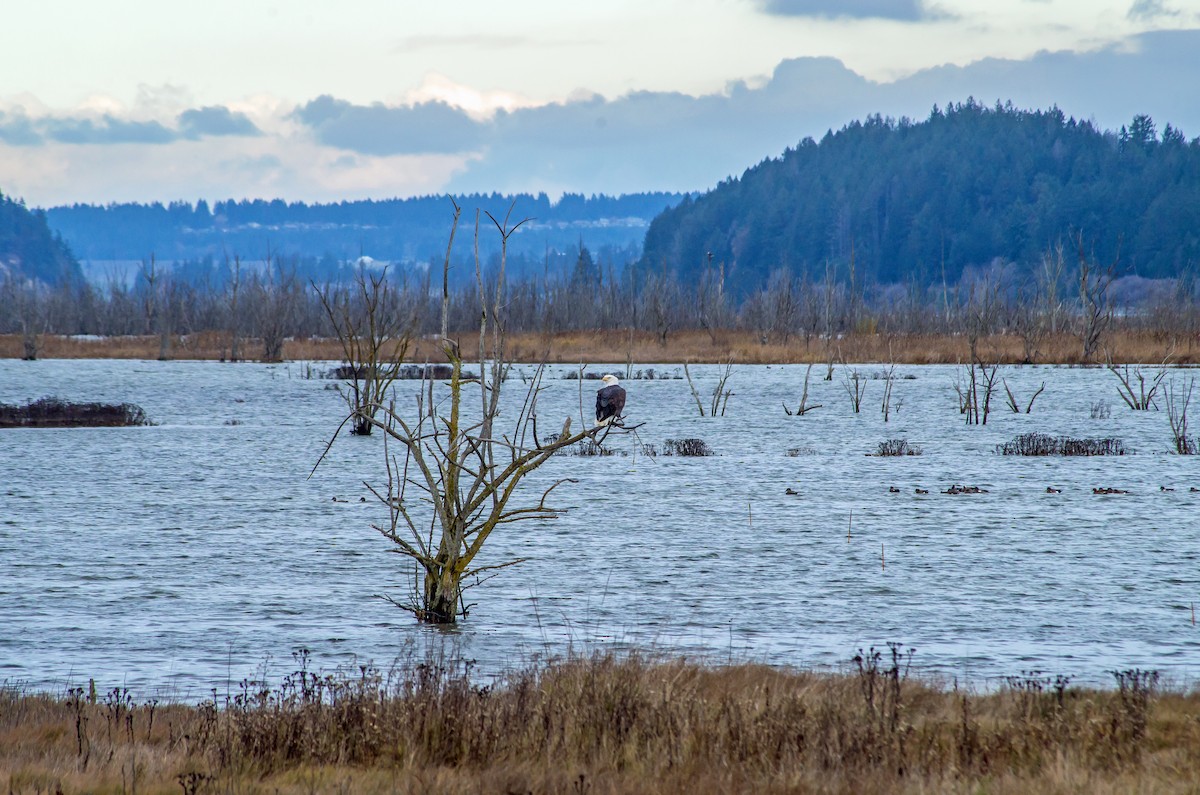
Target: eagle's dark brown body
{"x": 610, "y": 402}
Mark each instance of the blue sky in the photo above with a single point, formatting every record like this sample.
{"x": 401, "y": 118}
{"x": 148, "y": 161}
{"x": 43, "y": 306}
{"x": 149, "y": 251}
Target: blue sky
{"x": 138, "y": 100}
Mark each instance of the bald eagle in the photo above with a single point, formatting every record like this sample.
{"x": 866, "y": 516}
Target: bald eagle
{"x": 610, "y": 401}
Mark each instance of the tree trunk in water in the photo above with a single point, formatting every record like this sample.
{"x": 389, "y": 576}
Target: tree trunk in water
{"x": 30, "y": 341}
{"x": 442, "y": 591}
{"x": 272, "y": 348}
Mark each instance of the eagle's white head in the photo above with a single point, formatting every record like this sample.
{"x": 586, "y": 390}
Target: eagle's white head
{"x": 609, "y": 380}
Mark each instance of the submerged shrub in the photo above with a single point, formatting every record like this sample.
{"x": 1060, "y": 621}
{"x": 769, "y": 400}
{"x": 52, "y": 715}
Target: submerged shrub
{"x": 589, "y": 447}
{"x": 409, "y": 372}
{"x": 49, "y": 412}
{"x": 1034, "y": 444}
{"x": 897, "y": 447}
{"x": 686, "y": 447}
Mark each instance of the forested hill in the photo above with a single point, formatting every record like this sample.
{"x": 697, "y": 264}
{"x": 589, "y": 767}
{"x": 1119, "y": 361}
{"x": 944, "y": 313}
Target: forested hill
{"x": 923, "y": 201}
{"x": 402, "y": 230}
{"x": 28, "y": 249}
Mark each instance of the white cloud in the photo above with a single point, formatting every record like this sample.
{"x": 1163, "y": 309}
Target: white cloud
{"x": 479, "y": 105}
{"x": 446, "y": 136}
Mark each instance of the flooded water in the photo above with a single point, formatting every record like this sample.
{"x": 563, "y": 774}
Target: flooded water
{"x": 177, "y": 558}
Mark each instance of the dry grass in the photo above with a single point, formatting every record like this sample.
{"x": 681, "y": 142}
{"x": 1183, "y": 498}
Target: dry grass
{"x": 606, "y": 725}
{"x": 697, "y": 346}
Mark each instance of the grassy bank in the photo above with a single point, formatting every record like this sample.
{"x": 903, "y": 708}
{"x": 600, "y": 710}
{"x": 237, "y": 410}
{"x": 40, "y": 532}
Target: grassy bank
{"x": 742, "y": 347}
{"x": 604, "y": 725}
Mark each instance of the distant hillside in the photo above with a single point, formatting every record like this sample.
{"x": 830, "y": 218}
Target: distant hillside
{"x": 923, "y": 201}
{"x": 398, "y": 230}
{"x": 28, "y": 249}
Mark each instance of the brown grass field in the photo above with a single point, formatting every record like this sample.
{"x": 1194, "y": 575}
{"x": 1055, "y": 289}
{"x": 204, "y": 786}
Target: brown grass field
{"x": 608, "y": 725}
{"x": 740, "y": 347}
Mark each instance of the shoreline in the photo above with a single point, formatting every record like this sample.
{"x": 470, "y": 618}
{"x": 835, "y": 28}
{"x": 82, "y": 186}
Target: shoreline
{"x": 700, "y": 347}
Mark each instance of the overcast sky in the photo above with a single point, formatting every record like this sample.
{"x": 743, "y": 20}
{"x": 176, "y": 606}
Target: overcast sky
{"x": 139, "y": 100}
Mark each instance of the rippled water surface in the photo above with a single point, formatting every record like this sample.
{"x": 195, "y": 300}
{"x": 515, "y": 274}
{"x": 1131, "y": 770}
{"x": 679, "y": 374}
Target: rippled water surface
{"x": 182, "y": 556}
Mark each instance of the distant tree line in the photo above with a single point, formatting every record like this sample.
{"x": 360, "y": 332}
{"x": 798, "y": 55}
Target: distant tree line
{"x": 254, "y": 310}
{"x": 898, "y": 202}
{"x": 398, "y": 230}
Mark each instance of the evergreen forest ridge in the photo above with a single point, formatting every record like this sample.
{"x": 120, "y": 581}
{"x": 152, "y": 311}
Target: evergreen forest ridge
{"x": 880, "y": 201}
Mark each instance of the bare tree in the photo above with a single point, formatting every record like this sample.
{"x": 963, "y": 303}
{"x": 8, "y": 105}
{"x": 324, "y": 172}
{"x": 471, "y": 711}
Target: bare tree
{"x": 28, "y": 305}
{"x": 720, "y": 395}
{"x": 1143, "y": 398}
{"x": 1049, "y": 280}
{"x": 274, "y": 295}
{"x": 803, "y": 408}
{"x": 1013, "y": 405}
{"x": 1177, "y": 409}
{"x": 855, "y": 386}
{"x": 661, "y": 300}
{"x": 713, "y": 305}
{"x": 1030, "y": 322}
{"x": 155, "y": 304}
{"x": 981, "y": 310}
{"x": 1096, "y": 309}
{"x": 374, "y": 334}
{"x": 461, "y": 468}
{"x": 232, "y": 295}
{"x": 979, "y": 376}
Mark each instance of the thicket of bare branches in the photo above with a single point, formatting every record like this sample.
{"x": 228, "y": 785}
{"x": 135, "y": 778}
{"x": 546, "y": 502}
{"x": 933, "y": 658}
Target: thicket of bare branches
{"x": 271, "y": 303}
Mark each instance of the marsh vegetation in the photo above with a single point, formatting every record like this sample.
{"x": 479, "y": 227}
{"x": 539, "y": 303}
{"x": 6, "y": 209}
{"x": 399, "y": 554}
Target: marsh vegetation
{"x": 610, "y": 724}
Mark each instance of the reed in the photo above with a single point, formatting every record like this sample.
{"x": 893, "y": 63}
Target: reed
{"x": 615, "y": 725}
{"x": 735, "y": 346}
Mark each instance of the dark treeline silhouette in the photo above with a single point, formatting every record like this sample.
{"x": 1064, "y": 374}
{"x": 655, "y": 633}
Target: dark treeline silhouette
{"x": 29, "y": 248}
{"x": 901, "y": 201}
{"x": 398, "y": 230}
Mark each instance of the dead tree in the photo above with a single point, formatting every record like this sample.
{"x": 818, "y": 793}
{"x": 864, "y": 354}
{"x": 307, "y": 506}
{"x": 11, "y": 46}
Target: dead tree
{"x": 855, "y": 386}
{"x": 1031, "y": 323}
{"x": 232, "y": 291}
{"x": 29, "y": 308}
{"x": 457, "y": 477}
{"x": 1049, "y": 278}
{"x": 1177, "y": 409}
{"x": 720, "y": 395}
{"x": 1012, "y": 399}
{"x": 713, "y": 304}
{"x": 1096, "y": 309}
{"x": 374, "y": 335}
{"x": 1143, "y": 398}
{"x": 156, "y": 304}
{"x": 275, "y": 294}
{"x": 803, "y": 408}
{"x": 979, "y": 377}
{"x": 889, "y": 378}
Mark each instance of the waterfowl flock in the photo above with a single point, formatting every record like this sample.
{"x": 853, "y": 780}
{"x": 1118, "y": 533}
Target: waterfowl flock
{"x": 960, "y": 489}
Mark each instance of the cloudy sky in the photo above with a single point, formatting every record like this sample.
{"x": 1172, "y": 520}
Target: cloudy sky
{"x": 140, "y": 100}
